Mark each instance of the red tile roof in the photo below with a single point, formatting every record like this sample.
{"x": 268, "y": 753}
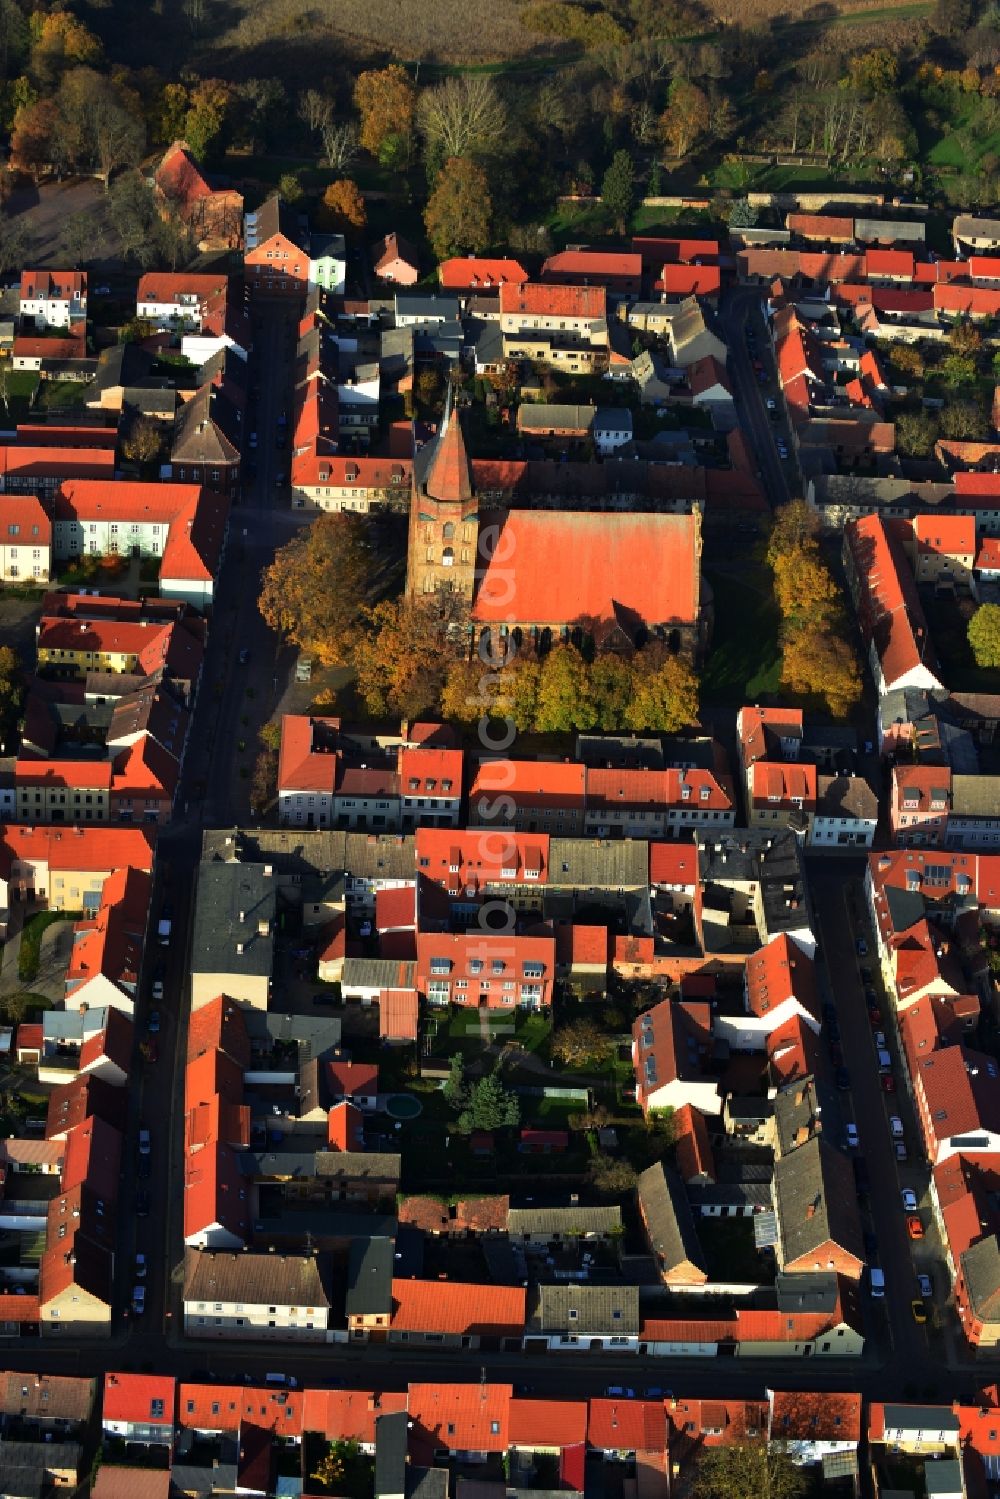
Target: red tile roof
{"x": 693, "y": 1148}
{"x": 218, "y": 1407}
{"x": 824, "y": 227}
{"x": 52, "y": 285}
{"x": 828, "y": 1417}
{"x": 398, "y": 1015}
{"x": 396, "y": 908}
{"x": 166, "y": 287}
{"x": 673, "y": 864}
{"x": 945, "y": 535}
{"x": 430, "y": 772}
{"x": 460, "y": 858}
{"x": 593, "y": 266}
{"x": 463, "y": 1417}
{"x": 452, "y": 1307}
{"x": 892, "y": 263}
{"x": 473, "y": 273}
{"x": 301, "y": 767}
{"x": 348, "y": 1415}
{"x": 783, "y": 785}
{"x": 219, "y": 1025}
{"x": 690, "y": 280}
{"x": 538, "y": 299}
{"x": 973, "y": 301}
{"x": 351, "y": 1079}
{"x": 576, "y": 565}
{"x": 656, "y": 249}
{"x": 24, "y": 512}
{"x": 135, "y": 1397}
{"x": 547, "y": 1423}
{"x": 627, "y": 1425}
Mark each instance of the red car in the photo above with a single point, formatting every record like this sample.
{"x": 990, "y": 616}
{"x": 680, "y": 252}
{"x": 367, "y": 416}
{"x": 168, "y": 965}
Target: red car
{"x": 874, "y": 1015}
{"x": 914, "y": 1227}
{"x": 889, "y": 1083}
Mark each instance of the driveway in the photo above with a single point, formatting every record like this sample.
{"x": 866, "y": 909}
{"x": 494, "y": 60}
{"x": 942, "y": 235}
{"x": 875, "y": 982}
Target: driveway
{"x": 43, "y": 213}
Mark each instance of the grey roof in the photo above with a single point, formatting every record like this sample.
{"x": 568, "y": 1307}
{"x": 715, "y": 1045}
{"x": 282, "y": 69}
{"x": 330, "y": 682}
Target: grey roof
{"x": 486, "y": 337}
{"x": 690, "y": 334}
{"x": 816, "y": 1292}
{"x": 981, "y": 1273}
{"x": 324, "y": 1221}
{"x": 748, "y": 1194}
{"x": 545, "y": 415}
{"x": 611, "y": 1310}
{"x": 322, "y": 245}
{"x": 598, "y": 862}
{"x": 391, "y": 1441}
{"x": 203, "y": 1478}
{"x": 966, "y": 224}
{"x": 943, "y": 1475}
{"x": 378, "y": 973}
{"x": 370, "y": 1268}
{"x": 816, "y": 1200}
{"x": 121, "y": 365}
{"x": 926, "y": 1417}
{"x": 666, "y": 1212}
{"x": 19, "y": 1480}
{"x": 234, "y": 903}
{"x": 428, "y": 308}
{"x": 292, "y": 851}
{"x": 612, "y": 419}
{"x": 620, "y": 750}
{"x": 255, "y": 1279}
{"x": 571, "y": 1222}
{"x": 901, "y": 231}
{"x": 975, "y": 796}
{"x": 426, "y": 1483}
{"x": 40, "y": 1456}
{"x": 357, "y": 1165}
{"x": 150, "y": 400}
{"x": 297, "y": 1164}
{"x": 748, "y": 1107}
{"x": 869, "y": 493}
{"x": 318, "y": 1036}
{"x": 273, "y": 217}
{"x": 846, "y": 796}
{"x": 207, "y": 429}
{"x": 803, "y": 1109}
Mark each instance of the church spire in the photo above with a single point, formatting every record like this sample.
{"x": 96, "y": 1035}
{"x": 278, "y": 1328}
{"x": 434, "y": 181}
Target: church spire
{"x": 449, "y": 476}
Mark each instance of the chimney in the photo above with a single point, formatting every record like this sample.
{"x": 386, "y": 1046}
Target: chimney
{"x": 243, "y": 916}
{"x": 262, "y": 928}
{"x": 811, "y": 1210}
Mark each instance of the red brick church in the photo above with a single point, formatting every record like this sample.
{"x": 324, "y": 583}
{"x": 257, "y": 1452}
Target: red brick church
{"x": 619, "y": 575}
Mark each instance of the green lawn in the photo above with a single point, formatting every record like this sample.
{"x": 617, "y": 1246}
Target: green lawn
{"x": 54, "y": 394}
{"x": 31, "y": 941}
{"x": 744, "y": 663}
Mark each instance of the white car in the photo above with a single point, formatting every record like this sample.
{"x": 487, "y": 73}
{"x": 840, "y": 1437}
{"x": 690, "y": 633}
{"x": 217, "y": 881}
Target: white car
{"x": 140, "y": 1266}
{"x": 157, "y": 988}
{"x": 909, "y": 1200}
{"x": 138, "y": 1300}
{"x": 880, "y": 1042}
{"x": 771, "y": 404}
{"x": 144, "y": 1142}
{"x": 851, "y": 1132}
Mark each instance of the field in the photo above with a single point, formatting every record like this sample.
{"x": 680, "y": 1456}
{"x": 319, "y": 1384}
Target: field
{"x": 466, "y": 31}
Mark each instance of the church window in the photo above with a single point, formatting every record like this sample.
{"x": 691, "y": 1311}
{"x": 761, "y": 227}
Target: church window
{"x": 449, "y": 532}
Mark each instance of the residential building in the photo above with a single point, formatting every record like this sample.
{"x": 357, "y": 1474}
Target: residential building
{"x": 395, "y": 260}
{"x": 275, "y": 1297}
{"x": 232, "y": 947}
{"x": 140, "y": 1408}
{"x": 54, "y": 299}
{"x": 25, "y": 541}
{"x": 565, "y": 1317}
{"x": 890, "y": 614}
{"x": 671, "y": 1046}
{"x": 485, "y": 970}
{"x": 457, "y": 1315}
{"x": 276, "y": 255}
{"x": 919, "y": 805}
{"x": 815, "y": 1201}
{"x": 670, "y": 1227}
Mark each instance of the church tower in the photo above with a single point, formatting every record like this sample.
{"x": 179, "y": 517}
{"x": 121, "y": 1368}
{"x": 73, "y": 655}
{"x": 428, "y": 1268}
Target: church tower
{"x": 444, "y": 520}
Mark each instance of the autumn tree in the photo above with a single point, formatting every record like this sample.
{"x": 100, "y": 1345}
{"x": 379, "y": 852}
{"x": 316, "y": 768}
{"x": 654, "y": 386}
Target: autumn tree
{"x": 206, "y": 116}
{"x": 314, "y": 591}
{"x": 957, "y": 370}
{"x": 795, "y": 526}
{"x": 984, "y": 635}
{"x": 821, "y": 664}
{"x": 386, "y": 101}
{"x": 581, "y": 1041}
{"x": 564, "y": 701}
{"x": 747, "y": 1470}
{"x": 13, "y": 244}
{"x": 806, "y": 593}
{"x": 459, "y": 212}
{"x": 611, "y": 687}
{"x": 59, "y": 41}
{"x": 610, "y": 1175}
{"x": 264, "y": 782}
{"x": 462, "y": 115}
{"x": 964, "y": 421}
{"x": 618, "y": 189}
{"x": 685, "y": 119}
{"x": 916, "y": 434}
{"x": 342, "y": 210}
{"x": 143, "y": 440}
{"x": 517, "y": 689}
{"x": 465, "y": 693}
{"x": 907, "y": 360}
{"x": 965, "y": 338}
{"x": 401, "y": 657}
{"x": 35, "y": 128}
{"x": 664, "y": 692}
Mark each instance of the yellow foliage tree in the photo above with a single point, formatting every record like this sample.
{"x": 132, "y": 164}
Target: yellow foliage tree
{"x": 386, "y": 100}
{"x": 314, "y": 590}
{"x": 343, "y": 208}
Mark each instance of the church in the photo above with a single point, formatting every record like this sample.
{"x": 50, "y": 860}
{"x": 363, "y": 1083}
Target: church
{"x": 547, "y": 571}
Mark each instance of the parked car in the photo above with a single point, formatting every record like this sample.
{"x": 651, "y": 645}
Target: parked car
{"x": 851, "y": 1133}
{"x": 909, "y": 1200}
{"x": 866, "y": 975}
{"x": 145, "y": 1144}
{"x": 888, "y": 1083}
{"x": 895, "y": 1126}
{"x": 154, "y": 1028}
{"x": 843, "y": 1079}
{"x": 874, "y": 1015}
{"x": 926, "y": 1286}
{"x": 833, "y": 1029}
{"x": 138, "y": 1300}
{"x": 900, "y": 1151}
{"x": 914, "y": 1226}
{"x": 140, "y": 1266}
{"x": 862, "y": 947}
{"x": 919, "y": 1311}
{"x": 244, "y": 656}
{"x": 157, "y": 990}
{"x": 771, "y": 404}
{"x": 880, "y": 1040}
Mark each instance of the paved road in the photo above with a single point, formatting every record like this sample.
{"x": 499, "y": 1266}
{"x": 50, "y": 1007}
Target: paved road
{"x": 914, "y": 1353}
{"x": 739, "y": 307}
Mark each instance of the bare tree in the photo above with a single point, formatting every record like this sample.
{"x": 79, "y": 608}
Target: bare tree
{"x": 119, "y": 138}
{"x": 13, "y": 245}
{"x": 315, "y": 109}
{"x": 76, "y": 240}
{"x": 340, "y": 143}
{"x": 462, "y": 113}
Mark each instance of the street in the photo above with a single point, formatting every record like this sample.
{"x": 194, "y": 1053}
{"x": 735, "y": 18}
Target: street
{"x": 738, "y": 309}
